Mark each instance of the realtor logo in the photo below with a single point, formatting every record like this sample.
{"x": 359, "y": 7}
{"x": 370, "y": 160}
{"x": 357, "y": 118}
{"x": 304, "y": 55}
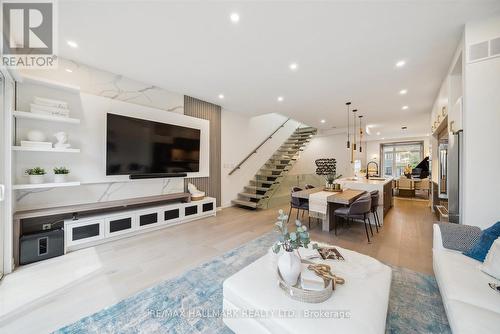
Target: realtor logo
{"x": 28, "y": 34}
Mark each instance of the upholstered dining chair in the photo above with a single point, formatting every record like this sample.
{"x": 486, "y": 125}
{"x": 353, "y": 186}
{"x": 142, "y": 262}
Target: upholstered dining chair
{"x": 375, "y": 199}
{"x": 358, "y": 210}
{"x": 298, "y": 204}
{"x": 309, "y": 186}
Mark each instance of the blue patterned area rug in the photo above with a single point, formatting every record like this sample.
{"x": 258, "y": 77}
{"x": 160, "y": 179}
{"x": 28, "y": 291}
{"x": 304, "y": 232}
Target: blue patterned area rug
{"x": 415, "y": 304}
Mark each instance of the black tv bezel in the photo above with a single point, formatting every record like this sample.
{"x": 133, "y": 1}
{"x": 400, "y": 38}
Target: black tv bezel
{"x": 136, "y": 176}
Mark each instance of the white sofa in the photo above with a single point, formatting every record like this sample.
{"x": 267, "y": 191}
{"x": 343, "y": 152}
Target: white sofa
{"x": 471, "y": 305}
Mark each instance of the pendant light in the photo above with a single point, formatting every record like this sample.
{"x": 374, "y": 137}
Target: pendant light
{"x": 348, "y": 104}
{"x": 354, "y": 129}
{"x": 360, "y": 134}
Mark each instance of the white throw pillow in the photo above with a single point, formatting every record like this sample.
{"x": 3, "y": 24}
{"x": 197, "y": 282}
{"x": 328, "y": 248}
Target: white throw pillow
{"x": 491, "y": 264}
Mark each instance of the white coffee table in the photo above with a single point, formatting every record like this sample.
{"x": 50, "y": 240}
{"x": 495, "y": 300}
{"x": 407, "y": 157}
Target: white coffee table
{"x": 253, "y": 302}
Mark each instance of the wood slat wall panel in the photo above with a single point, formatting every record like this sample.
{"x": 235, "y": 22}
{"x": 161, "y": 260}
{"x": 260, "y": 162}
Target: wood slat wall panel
{"x": 211, "y": 112}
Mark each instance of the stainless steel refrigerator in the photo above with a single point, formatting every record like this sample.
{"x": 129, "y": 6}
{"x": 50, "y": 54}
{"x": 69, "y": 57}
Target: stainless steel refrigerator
{"x": 455, "y": 168}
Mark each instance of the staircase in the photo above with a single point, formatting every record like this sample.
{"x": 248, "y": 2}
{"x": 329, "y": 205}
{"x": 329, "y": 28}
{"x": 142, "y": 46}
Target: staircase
{"x": 262, "y": 186}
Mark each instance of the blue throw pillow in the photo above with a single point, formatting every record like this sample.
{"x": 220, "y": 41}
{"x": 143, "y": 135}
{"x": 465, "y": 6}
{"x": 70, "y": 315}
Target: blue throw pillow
{"x": 483, "y": 245}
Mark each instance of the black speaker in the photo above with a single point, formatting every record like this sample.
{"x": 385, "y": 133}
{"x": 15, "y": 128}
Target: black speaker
{"x": 41, "y": 246}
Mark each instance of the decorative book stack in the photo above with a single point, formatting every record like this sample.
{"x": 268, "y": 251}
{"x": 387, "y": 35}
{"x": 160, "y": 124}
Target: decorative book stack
{"x": 52, "y": 107}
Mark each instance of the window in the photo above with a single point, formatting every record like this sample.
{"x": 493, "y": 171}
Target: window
{"x": 396, "y": 156}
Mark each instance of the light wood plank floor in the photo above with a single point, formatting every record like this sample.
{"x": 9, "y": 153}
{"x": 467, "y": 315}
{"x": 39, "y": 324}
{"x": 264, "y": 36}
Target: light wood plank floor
{"x": 129, "y": 265}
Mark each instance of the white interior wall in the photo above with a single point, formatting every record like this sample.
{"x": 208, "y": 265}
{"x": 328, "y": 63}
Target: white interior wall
{"x": 481, "y": 130}
{"x": 240, "y": 134}
{"x": 326, "y": 145}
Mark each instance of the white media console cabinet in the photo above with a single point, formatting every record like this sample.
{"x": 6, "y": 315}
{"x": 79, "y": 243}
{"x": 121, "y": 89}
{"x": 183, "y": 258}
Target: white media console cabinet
{"x": 90, "y": 224}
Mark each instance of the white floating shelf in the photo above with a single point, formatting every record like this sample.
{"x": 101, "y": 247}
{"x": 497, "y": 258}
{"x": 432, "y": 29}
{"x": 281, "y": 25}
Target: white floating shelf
{"x": 37, "y": 149}
{"x": 44, "y": 185}
{"x": 48, "y": 118}
{"x": 48, "y": 83}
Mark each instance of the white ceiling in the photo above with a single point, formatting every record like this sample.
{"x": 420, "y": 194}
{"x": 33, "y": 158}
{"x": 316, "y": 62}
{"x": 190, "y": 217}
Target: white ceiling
{"x": 346, "y": 50}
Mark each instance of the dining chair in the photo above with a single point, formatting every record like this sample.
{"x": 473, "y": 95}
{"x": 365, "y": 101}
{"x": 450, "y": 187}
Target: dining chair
{"x": 423, "y": 185}
{"x": 309, "y": 186}
{"x": 298, "y": 204}
{"x": 358, "y": 210}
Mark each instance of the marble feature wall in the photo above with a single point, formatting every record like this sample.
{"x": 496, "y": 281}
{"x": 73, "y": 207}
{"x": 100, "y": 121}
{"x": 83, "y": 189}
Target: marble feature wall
{"x": 101, "y": 91}
{"x": 111, "y": 85}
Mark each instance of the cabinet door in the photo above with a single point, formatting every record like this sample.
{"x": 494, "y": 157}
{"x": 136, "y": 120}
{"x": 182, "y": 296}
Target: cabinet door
{"x": 207, "y": 207}
{"x": 82, "y": 232}
{"x": 190, "y": 210}
{"x": 171, "y": 214}
{"x": 119, "y": 225}
{"x": 148, "y": 219}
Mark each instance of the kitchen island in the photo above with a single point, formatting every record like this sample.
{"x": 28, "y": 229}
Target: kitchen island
{"x": 383, "y": 185}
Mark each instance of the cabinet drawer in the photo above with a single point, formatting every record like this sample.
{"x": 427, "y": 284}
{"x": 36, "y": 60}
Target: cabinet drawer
{"x": 120, "y": 225}
{"x": 190, "y": 210}
{"x": 82, "y": 232}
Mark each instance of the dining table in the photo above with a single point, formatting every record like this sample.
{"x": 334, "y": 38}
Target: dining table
{"x": 334, "y": 201}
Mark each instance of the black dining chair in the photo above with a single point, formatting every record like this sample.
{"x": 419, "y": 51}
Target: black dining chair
{"x": 358, "y": 210}
{"x": 375, "y": 199}
{"x": 299, "y": 204}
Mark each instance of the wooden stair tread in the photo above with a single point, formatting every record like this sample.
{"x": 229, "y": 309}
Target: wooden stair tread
{"x": 244, "y": 203}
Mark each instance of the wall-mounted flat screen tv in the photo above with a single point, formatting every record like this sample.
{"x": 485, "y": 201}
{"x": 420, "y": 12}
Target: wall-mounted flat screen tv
{"x": 137, "y": 146}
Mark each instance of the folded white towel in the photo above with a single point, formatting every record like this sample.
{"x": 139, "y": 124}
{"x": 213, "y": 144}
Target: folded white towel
{"x": 43, "y": 101}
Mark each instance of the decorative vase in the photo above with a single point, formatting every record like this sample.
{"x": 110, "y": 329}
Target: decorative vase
{"x": 60, "y": 178}
{"x": 289, "y": 267}
{"x": 36, "y": 179}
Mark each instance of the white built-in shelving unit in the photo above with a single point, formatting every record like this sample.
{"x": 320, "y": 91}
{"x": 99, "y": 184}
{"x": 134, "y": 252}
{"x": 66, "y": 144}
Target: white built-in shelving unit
{"x": 29, "y": 186}
{"x": 47, "y": 118}
{"x": 24, "y": 115}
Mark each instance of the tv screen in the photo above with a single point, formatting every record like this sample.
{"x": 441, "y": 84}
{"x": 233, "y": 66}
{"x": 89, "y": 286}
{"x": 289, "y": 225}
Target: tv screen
{"x": 137, "y": 146}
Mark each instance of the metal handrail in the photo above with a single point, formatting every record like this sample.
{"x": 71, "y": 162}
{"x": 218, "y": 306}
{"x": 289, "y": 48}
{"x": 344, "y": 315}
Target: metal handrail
{"x": 255, "y": 150}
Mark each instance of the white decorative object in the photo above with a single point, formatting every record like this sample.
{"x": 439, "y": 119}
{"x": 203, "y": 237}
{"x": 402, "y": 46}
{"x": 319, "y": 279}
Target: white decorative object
{"x": 43, "y": 101}
{"x": 36, "y": 135}
{"x": 289, "y": 267}
{"x": 60, "y": 178}
{"x": 62, "y": 140}
{"x": 195, "y": 193}
{"x": 491, "y": 264}
{"x": 36, "y": 144}
{"x": 36, "y": 179}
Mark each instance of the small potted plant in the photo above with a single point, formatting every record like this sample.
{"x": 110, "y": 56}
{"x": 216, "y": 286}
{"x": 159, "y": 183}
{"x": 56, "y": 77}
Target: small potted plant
{"x": 289, "y": 262}
{"x": 36, "y": 175}
{"x": 60, "y": 174}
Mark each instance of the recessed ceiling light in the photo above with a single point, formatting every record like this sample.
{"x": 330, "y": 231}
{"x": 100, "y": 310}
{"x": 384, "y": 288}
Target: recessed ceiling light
{"x": 323, "y": 121}
{"x": 280, "y": 99}
{"x": 221, "y": 96}
{"x": 69, "y": 71}
{"x": 378, "y": 133}
{"x": 73, "y": 44}
{"x": 403, "y": 91}
{"x": 235, "y": 17}
{"x": 405, "y": 108}
{"x": 428, "y": 134}
{"x": 294, "y": 66}
{"x": 383, "y": 138}
{"x": 400, "y": 63}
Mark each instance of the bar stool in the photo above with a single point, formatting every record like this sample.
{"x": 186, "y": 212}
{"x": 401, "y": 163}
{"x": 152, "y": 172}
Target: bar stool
{"x": 375, "y": 197}
{"x": 299, "y": 204}
{"x": 358, "y": 210}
